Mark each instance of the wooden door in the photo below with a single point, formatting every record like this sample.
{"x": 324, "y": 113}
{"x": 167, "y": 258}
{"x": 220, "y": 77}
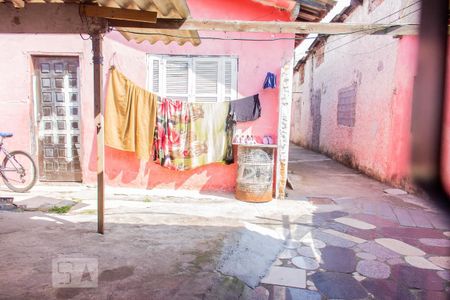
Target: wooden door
{"x": 58, "y": 117}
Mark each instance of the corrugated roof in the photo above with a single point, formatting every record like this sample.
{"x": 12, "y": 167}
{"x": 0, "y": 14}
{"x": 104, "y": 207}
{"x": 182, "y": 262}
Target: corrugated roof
{"x": 175, "y": 9}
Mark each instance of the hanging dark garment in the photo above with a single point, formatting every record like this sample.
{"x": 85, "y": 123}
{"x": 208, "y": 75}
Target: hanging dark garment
{"x": 271, "y": 81}
{"x": 246, "y": 109}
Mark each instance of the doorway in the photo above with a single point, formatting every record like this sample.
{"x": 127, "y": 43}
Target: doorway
{"x": 58, "y": 117}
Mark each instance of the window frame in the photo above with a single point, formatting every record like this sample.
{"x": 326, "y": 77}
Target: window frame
{"x": 191, "y": 96}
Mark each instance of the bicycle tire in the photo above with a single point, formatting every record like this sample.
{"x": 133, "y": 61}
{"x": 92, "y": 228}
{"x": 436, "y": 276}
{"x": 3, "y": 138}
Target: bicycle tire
{"x": 33, "y": 165}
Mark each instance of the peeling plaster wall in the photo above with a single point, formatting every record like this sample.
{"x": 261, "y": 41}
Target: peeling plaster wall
{"x": 373, "y": 65}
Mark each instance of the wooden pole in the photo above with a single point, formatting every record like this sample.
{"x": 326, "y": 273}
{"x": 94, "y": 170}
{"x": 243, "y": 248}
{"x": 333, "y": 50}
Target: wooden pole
{"x": 268, "y": 26}
{"x": 97, "y": 60}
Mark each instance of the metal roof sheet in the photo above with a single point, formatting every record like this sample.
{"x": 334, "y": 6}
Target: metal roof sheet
{"x": 176, "y": 9}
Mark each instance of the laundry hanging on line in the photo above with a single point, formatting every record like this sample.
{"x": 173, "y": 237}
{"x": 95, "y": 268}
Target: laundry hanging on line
{"x": 190, "y": 135}
{"x": 246, "y": 109}
{"x": 271, "y": 81}
{"x": 130, "y": 116}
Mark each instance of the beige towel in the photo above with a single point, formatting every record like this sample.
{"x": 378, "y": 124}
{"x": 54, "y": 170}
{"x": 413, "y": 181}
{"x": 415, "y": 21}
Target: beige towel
{"x": 130, "y": 116}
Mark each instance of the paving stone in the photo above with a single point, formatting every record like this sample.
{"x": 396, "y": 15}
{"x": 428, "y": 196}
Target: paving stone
{"x": 400, "y": 247}
{"x": 301, "y": 231}
{"x": 379, "y": 251}
{"x": 312, "y": 242}
{"x": 291, "y": 244}
{"x": 433, "y": 295}
{"x": 336, "y": 226}
{"x": 381, "y": 288}
{"x": 395, "y": 261}
{"x": 355, "y": 223}
{"x": 358, "y": 276}
{"x": 259, "y": 293}
{"x": 435, "y": 242}
{"x": 344, "y": 236}
{"x": 421, "y": 263}
{"x": 320, "y": 200}
{"x": 439, "y": 221}
{"x": 403, "y": 217}
{"x": 305, "y": 263}
{"x": 441, "y": 261}
{"x": 415, "y": 233}
{"x": 417, "y": 278}
{"x": 310, "y": 252}
{"x": 285, "y": 277}
{"x": 333, "y": 240}
{"x": 383, "y": 210}
{"x": 444, "y": 275}
{"x": 277, "y": 262}
{"x": 301, "y": 294}
{"x": 338, "y": 285}
{"x": 368, "y": 235}
{"x": 373, "y": 269}
{"x": 395, "y": 192}
{"x": 420, "y": 218}
{"x": 447, "y": 233}
{"x": 338, "y": 259}
{"x": 287, "y": 254}
{"x": 366, "y": 256}
{"x": 376, "y": 220}
{"x": 430, "y": 250}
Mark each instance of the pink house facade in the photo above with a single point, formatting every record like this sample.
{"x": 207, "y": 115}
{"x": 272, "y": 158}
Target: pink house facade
{"x": 21, "y": 115}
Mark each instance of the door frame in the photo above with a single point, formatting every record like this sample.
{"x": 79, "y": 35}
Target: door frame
{"x": 34, "y": 105}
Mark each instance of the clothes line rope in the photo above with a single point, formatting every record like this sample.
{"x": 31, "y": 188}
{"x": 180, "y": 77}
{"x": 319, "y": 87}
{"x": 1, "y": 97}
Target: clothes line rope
{"x": 113, "y": 66}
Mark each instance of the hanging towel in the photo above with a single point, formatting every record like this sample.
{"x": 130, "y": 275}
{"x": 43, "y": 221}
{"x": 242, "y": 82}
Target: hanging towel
{"x": 246, "y": 109}
{"x": 190, "y": 135}
{"x": 130, "y": 116}
{"x": 271, "y": 81}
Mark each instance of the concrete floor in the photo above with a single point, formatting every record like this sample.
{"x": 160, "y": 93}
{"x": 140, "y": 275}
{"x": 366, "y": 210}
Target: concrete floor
{"x": 338, "y": 236}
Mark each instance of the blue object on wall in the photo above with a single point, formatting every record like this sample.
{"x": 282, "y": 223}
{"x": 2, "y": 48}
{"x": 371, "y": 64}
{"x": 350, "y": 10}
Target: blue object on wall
{"x": 271, "y": 81}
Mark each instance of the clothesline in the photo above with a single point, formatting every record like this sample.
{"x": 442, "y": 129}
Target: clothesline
{"x": 159, "y": 96}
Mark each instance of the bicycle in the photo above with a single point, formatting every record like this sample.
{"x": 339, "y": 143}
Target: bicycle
{"x": 18, "y": 169}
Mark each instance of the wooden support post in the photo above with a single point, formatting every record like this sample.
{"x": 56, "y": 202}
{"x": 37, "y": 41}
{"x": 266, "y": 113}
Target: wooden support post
{"x": 284, "y": 125}
{"x": 269, "y": 26}
{"x": 97, "y": 60}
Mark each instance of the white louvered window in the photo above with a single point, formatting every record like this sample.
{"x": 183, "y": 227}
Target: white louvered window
{"x": 194, "y": 79}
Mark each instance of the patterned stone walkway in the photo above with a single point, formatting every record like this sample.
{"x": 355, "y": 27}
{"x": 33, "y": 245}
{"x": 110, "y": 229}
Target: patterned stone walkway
{"x": 364, "y": 241}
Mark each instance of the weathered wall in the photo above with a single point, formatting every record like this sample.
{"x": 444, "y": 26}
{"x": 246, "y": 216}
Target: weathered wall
{"x": 381, "y": 69}
{"x": 16, "y": 92}
{"x": 122, "y": 168}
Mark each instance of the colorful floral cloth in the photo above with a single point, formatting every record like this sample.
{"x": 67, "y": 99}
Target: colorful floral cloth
{"x": 190, "y": 135}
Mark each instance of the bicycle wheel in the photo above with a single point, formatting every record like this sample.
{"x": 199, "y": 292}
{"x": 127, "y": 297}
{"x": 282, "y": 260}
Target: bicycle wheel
{"x": 19, "y": 171}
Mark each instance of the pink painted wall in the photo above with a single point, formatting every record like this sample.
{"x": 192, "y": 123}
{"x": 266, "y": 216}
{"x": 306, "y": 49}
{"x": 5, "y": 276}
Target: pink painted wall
{"x": 125, "y": 170}
{"x": 382, "y": 69}
{"x": 122, "y": 168}
{"x": 384, "y": 152}
{"x": 16, "y": 92}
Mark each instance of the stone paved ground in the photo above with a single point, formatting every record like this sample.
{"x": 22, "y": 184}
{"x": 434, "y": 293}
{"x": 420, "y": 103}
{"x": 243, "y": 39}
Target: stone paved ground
{"x": 371, "y": 243}
{"x": 344, "y": 238}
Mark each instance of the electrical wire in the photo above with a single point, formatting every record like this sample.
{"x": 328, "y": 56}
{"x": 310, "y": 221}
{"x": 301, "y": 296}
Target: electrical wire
{"x": 381, "y": 19}
{"x": 360, "y": 37}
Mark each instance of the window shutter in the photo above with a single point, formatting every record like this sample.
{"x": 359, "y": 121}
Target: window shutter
{"x": 177, "y": 78}
{"x": 230, "y": 79}
{"x": 227, "y": 77}
{"x": 206, "y": 80}
{"x": 155, "y": 75}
